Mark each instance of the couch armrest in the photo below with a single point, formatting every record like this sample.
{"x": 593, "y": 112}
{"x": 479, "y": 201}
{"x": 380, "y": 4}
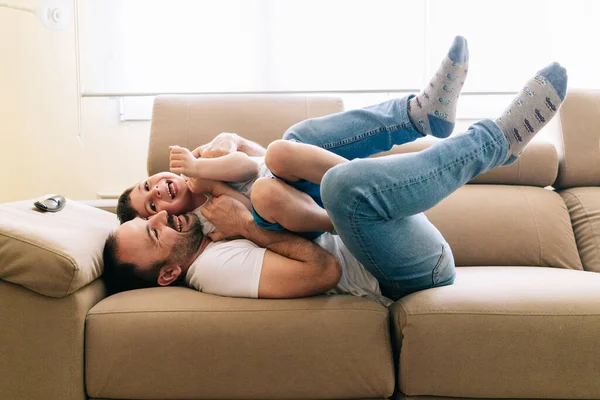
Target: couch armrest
{"x": 109, "y": 205}
{"x": 42, "y": 342}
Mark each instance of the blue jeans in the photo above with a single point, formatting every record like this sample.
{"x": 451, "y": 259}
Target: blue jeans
{"x": 377, "y": 204}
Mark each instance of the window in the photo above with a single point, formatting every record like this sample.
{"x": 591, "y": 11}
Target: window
{"x": 365, "y": 50}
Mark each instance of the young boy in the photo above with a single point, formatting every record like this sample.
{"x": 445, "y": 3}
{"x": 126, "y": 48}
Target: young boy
{"x": 292, "y": 201}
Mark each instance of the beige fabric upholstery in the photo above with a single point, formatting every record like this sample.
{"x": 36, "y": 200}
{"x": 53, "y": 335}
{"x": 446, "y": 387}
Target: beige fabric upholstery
{"x": 507, "y": 225}
{"x": 502, "y": 332}
{"x": 54, "y": 254}
{"x": 400, "y": 396}
{"x": 178, "y": 343}
{"x": 578, "y": 140}
{"x": 41, "y": 342}
{"x": 537, "y": 166}
{"x": 191, "y": 121}
{"x": 109, "y": 205}
{"x": 584, "y": 207}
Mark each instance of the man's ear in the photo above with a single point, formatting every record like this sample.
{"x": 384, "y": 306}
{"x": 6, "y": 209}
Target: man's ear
{"x": 168, "y": 274}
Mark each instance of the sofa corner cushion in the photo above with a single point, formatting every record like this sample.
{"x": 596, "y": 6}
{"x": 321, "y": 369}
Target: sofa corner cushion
{"x": 54, "y": 254}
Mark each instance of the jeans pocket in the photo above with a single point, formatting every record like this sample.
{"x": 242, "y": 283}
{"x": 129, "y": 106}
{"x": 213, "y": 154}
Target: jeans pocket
{"x": 444, "y": 272}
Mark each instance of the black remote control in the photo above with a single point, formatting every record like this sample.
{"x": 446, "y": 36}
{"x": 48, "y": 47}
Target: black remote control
{"x": 51, "y": 204}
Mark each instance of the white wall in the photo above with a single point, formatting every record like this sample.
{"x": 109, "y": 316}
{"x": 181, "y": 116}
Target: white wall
{"x": 39, "y": 149}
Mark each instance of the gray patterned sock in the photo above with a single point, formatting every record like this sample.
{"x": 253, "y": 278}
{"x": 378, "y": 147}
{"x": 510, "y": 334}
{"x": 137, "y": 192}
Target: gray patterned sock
{"x": 433, "y": 111}
{"x": 533, "y": 107}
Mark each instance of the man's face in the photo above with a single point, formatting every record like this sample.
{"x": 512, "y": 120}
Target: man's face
{"x": 163, "y": 191}
{"x": 163, "y": 238}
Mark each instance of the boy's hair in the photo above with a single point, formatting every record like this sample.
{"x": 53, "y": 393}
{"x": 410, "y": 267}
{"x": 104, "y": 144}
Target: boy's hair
{"x": 118, "y": 276}
{"x": 125, "y": 211}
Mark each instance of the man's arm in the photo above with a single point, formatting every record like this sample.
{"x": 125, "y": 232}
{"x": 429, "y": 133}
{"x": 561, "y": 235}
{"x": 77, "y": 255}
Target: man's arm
{"x": 292, "y": 266}
{"x": 226, "y": 143}
{"x": 249, "y": 147}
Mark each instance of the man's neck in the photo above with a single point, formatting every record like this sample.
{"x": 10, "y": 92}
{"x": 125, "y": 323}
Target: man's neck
{"x": 205, "y": 242}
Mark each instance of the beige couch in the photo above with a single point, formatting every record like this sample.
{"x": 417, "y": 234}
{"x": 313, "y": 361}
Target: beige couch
{"x": 521, "y": 321}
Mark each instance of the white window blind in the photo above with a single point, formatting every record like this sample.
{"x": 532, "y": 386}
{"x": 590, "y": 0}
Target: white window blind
{"x": 380, "y": 46}
{"x": 141, "y": 46}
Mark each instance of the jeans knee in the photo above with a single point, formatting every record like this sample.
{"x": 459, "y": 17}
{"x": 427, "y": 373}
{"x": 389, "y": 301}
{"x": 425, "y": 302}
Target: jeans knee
{"x": 290, "y": 134}
{"x": 338, "y": 186}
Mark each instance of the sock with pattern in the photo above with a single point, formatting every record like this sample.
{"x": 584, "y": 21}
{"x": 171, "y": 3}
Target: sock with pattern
{"x": 433, "y": 111}
{"x": 533, "y": 107}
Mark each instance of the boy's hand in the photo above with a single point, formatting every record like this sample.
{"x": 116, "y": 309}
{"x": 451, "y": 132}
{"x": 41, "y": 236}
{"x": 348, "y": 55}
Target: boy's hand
{"x": 225, "y": 143}
{"x": 181, "y": 161}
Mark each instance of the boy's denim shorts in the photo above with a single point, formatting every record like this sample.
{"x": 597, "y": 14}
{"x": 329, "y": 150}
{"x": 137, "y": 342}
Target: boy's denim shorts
{"x": 311, "y": 189}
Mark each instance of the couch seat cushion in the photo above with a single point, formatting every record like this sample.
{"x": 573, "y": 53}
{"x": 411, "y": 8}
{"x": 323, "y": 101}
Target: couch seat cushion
{"x": 178, "y": 343}
{"x": 54, "y": 254}
{"x": 511, "y": 332}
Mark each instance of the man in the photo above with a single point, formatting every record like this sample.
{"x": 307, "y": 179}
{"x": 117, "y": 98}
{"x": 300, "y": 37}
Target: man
{"x": 387, "y": 246}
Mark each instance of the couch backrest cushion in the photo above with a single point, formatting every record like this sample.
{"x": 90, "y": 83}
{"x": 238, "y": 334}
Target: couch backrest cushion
{"x": 578, "y": 140}
{"x": 191, "y": 121}
{"x": 507, "y": 225}
{"x": 54, "y": 254}
{"x": 584, "y": 207}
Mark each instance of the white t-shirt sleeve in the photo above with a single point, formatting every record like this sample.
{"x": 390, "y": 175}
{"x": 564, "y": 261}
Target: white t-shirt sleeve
{"x": 228, "y": 268}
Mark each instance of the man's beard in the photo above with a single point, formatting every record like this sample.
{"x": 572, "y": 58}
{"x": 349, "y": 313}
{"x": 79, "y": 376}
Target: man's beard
{"x": 186, "y": 245}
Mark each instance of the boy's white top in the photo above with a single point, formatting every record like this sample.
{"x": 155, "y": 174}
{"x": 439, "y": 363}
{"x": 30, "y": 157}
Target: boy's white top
{"x": 207, "y": 226}
{"x": 245, "y": 187}
{"x": 232, "y": 268}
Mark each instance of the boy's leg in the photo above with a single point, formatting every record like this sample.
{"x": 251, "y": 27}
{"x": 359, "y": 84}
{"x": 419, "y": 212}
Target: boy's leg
{"x": 371, "y": 130}
{"x": 376, "y": 205}
{"x": 293, "y": 161}
{"x": 276, "y": 202}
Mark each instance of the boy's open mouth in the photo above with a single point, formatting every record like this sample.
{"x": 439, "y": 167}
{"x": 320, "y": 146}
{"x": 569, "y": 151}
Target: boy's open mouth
{"x": 171, "y": 189}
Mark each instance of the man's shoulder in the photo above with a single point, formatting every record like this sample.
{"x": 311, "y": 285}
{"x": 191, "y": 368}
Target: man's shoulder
{"x": 232, "y": 243}
{"x": 217, "y": 248}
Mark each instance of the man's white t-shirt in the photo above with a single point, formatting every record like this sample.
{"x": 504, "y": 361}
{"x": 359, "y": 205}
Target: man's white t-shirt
{"x": 232, "y": 268}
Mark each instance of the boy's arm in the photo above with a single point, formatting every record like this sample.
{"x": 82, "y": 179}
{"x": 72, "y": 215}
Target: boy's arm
{"x": 233, "y": 167}
{"x": 217, "y": 188}
{"x": 226, "y": 143}
{"x": 220, "y": 189}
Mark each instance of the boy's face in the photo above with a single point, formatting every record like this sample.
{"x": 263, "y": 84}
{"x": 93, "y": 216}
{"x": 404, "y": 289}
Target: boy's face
{"x": 163, "y": 191}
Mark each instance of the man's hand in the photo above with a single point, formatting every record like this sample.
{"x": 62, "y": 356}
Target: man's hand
{"x": 225, "y": 143}
{"x": 181, "y": 161}
{"x": 229, "y": 217}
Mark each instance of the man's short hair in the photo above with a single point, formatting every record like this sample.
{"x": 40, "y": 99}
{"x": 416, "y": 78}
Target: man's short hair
{"x": 125, "y": 211}
{"x": 119, "y": 276}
